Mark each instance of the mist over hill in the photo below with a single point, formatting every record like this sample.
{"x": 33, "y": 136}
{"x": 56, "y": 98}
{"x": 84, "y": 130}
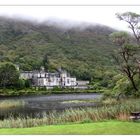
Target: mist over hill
{"x": 80, "y": 48}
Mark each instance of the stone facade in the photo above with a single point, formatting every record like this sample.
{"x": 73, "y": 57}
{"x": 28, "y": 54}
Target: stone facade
{"x": 82, "y": 84}
{"x": 49, "y": 80}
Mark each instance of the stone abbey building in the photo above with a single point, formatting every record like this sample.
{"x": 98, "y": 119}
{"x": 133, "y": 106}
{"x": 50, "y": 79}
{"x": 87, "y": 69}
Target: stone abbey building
{"x": 49, "y": 80}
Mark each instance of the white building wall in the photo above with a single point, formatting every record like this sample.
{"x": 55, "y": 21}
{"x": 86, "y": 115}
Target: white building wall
{"x": 49, "y": 79}
{"x": 26, "y": 75}
{"x": 73, "y": 82}
{"x": 40, "y": 82}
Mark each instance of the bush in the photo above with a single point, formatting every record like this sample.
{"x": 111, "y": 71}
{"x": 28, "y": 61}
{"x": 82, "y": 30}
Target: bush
{"x": 123, "y": 87}
{"x": 57, "y": 88}
{"x": 9, "y": 75}
{"x": 21, "y": 84}
{"x": 27, "y": 83}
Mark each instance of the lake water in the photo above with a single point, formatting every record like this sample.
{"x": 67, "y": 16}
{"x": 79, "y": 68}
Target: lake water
{"x": 36, "y": 106}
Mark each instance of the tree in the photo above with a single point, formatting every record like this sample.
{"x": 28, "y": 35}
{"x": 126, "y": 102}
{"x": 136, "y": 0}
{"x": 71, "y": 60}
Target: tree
{"x": 133, "y": 20}
{"x": 126, "y": 56}
{"x": 130, "y": 53}
{"x": 9, "y": 75}
{"x": 46, "y": 62}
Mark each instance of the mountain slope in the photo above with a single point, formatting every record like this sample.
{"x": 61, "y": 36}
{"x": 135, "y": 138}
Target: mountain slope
{"x": 80, "y": 51}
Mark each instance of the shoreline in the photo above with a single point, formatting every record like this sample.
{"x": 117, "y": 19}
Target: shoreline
{"x": 48, "y": 94}
{"x": 27, "y": 93}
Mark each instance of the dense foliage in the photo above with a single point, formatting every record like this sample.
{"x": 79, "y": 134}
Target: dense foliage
{"x": 127, "y": 56}
{"x": 9, "y": 75}
{"x": 85, "y": 51}
{"x": 81, "y": 50}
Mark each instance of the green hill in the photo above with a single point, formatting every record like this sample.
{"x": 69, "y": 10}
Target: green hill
{"x": 81, "y": 49}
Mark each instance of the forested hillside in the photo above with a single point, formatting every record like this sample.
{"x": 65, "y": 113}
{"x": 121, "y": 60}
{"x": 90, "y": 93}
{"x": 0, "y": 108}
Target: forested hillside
{"x": 82, "y": 51}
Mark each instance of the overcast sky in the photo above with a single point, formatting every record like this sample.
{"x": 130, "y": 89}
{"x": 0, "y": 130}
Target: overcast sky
{"x": 94, "y": 14}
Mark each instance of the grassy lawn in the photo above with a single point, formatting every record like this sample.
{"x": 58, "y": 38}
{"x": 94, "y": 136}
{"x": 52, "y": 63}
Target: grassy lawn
{"x": 109, "y": 127}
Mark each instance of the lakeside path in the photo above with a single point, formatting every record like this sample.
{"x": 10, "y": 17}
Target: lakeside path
{"x": 98, "y": 128}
